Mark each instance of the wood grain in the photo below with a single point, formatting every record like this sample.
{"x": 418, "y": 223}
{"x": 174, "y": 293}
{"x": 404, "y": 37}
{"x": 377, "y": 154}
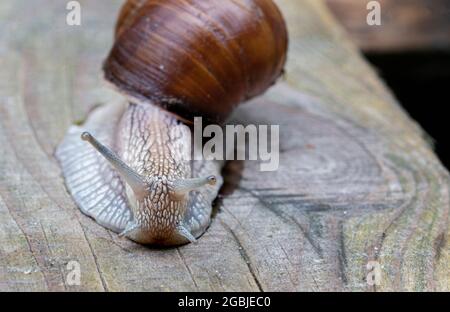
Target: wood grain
{"x": 357, "y": 180}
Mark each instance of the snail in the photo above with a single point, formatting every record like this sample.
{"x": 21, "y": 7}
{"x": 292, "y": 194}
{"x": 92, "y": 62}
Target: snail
{"x": 172, "y": 60}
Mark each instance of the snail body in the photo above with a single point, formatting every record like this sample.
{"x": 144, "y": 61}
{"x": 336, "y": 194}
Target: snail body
{"x": 172, "y": 60}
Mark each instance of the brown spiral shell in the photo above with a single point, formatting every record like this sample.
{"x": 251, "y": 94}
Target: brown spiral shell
{"x": 197, "y": 57}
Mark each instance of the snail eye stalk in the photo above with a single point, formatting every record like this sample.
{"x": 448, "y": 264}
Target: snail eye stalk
{"x": 131, "y": 177}
{"x": 183, "y": 186}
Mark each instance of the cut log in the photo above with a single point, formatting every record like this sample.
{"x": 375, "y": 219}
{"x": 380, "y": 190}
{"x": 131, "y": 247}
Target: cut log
{"x": 359, "y": 192}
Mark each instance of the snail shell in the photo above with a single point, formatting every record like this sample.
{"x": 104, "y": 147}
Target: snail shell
{"x": 173, "y": 60}
{"x": 197, "y": 58}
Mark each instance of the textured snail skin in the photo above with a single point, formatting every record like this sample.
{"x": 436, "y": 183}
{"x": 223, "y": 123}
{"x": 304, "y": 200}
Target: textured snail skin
{"x": 198, "y": 57}
{"x": 157, "y": 146}
{"x": 173, "y": 60}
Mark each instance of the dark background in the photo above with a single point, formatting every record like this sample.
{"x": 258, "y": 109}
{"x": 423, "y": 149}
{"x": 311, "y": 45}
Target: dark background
{"x": 411, "y": 51}
{"x": 421, "y": 82}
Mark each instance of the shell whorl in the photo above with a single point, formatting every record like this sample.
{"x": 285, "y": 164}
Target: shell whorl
{"x": 198, "y": 57}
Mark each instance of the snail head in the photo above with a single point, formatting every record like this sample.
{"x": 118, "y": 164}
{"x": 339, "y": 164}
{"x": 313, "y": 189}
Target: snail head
{"x": 158, "y": 204}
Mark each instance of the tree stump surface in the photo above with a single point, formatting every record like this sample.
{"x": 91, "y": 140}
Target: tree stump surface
{"x": 358, "y": 183}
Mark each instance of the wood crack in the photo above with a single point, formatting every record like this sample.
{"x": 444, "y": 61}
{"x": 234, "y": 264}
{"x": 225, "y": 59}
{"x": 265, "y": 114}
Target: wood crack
{"x": 188, "y": 269}
{"x": 102, "y": 279}
{"x": 244, "y": 256}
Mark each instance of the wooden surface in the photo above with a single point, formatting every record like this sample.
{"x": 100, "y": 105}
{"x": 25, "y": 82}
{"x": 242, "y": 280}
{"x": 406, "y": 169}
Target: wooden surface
{"x": 357, "y": 181}
{"x": 405, "y": 24}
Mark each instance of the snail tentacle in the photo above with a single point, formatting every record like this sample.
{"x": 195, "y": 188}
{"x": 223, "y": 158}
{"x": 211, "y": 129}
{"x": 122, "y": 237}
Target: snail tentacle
{"x": 183, "y": 231}
{"x": 135, "y": 181}
{"x": 182, "y": 187}
{"x": 96, "y": 187}
{"x": 200, "y": 203}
